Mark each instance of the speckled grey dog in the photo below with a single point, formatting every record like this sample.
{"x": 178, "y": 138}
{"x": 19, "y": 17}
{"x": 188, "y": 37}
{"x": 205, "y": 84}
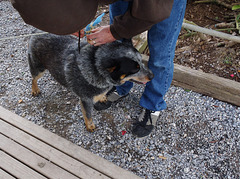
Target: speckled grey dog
{"x": 90, "y": 73}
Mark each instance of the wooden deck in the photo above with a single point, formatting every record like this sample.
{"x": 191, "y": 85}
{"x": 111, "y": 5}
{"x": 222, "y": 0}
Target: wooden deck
{"x": 30, "y": 151}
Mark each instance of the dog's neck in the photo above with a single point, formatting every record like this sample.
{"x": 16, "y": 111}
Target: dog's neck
{"x": 87, "y": 66}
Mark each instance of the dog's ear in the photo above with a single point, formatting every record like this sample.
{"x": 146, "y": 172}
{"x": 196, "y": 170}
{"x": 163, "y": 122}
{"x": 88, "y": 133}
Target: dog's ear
{"x": 113, "y": 68}
{"x": 114, "y": 72}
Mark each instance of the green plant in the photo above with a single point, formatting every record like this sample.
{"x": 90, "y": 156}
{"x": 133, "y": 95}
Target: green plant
{"x": 237, "y": 18}
{"x": 236, "y": 7}
{"x": 227, "y": 61}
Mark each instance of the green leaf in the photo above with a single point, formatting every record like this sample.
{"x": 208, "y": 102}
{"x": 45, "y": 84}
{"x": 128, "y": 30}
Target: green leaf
{"x": 238, "y": 17}
{"x": 235, "y": 7}
{"x": 238, "y": 22}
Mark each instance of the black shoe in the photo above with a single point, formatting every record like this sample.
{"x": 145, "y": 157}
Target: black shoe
{"x": 145, "y": 125}
{"x": 112, "y": 96}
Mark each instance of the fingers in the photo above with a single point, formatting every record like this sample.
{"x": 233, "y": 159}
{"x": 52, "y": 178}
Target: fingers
{"x": 97, "y": 33}
{"x": 92, "y": 42}
{"x": 94, "y": 38}
{"x": 99, "y": 41}
{"x": 98, "y": 36}
{"x": 97, "y": 29}
{"x": 93, "y": 35}
{"x": 95, "y": 42}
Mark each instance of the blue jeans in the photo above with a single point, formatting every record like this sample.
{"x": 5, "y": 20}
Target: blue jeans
{"x": 162, "y": 38}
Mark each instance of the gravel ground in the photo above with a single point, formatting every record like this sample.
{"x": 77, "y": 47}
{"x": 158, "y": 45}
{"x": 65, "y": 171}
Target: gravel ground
{"x": 196, "y": 137}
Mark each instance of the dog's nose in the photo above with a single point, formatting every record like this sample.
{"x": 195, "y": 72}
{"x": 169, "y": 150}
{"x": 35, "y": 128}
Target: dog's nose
{"x": 150, "y": 75}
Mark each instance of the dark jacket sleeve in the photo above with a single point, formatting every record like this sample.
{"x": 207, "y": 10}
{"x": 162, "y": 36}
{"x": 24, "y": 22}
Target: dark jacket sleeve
{"x": 142, "y": 15}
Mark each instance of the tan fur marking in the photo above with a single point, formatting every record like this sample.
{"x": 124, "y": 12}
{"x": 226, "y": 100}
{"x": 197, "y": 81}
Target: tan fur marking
{"x": 112, "y": 69}
{"x": 123, "y": 76}
{"x": 88, "y": 122}
{"x": 35, "y": 90}
{"x": 101, "y": 98}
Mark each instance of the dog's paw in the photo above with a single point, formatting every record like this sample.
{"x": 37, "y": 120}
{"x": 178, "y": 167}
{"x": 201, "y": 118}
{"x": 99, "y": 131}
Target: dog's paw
{"x": 102, "y": 105}
{"x": 36, "y": 92}
{"x": 91, "y": 127}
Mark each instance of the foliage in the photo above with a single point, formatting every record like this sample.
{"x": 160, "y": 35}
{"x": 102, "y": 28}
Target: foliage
{"x": 236, "y": 7}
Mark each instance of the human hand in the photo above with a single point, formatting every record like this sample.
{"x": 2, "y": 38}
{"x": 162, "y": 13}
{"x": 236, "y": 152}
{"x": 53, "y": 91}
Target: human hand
{"x": 100, "y": 36}
{"x": 77, "y": 33}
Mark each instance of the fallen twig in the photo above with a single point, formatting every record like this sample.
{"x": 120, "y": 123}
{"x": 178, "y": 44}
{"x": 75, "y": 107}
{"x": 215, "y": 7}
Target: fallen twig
{"x": 211, "y": 32}
{"x": 227, "y": 29}
{"x": 225, "y": 25}
{"x": 214, "y": 1}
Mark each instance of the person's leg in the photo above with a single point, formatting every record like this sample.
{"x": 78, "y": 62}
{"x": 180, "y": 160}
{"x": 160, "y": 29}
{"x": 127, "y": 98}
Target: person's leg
{"x": 162, "y": 39}
{"x": 116, "y": 9}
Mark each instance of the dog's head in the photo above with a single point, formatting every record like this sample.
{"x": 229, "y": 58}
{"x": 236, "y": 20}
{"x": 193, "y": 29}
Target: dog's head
{"x": 122, "y": 62}
{"x": 126, "y": 69}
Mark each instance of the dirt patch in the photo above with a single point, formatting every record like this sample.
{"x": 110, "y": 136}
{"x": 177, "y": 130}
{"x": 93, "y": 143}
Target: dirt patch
{"x": 203, "y": 52}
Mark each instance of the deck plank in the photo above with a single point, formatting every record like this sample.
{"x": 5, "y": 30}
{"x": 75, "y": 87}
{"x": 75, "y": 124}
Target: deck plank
{"x": 5, "y": 175}
{"x": 103, "y": 166}
{"x": 51, "y": 154}
{"x": 32, "y": 160}
{"x": 16, "y": 168}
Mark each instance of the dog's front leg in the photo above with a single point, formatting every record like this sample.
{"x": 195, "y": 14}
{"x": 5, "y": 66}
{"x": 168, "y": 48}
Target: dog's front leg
{"x": 87, "y": 107}
{"x": 101, "y": 102}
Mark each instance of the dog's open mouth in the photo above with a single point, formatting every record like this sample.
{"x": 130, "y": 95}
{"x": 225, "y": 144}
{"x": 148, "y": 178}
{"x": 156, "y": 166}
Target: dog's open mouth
{"x": 138, "y": 82}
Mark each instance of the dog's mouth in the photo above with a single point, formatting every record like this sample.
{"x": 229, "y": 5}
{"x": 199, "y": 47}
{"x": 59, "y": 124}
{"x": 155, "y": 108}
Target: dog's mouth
{"x": 138, "y": 82}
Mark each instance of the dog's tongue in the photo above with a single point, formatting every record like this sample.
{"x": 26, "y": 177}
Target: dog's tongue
{"x": 142, "y": 83}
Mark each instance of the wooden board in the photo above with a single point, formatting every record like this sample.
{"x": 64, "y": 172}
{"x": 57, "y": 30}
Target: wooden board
{"x": 29, "y": 151}
{"x": 4, "y": 175}
{"x": 207, "y": 84}
{"x": 16, "y": 168}
{"x": 211, "y": 85}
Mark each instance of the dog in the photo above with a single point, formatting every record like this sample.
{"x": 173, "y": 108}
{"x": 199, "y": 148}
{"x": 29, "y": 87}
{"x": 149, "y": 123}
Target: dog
{"x": 90, "y": 73}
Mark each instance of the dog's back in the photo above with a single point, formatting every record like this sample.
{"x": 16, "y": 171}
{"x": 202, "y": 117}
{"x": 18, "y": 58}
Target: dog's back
{"x": 60, "y": 56}
{"x": 50, "y": 52}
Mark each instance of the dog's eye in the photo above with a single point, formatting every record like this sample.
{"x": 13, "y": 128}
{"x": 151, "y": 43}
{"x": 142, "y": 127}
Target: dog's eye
{"x": 136, "y": 69}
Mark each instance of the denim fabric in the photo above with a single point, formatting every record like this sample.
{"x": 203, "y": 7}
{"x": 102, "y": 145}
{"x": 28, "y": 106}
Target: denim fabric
{"x": 162, "y": 38}
{"x": 117, "y": 8}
